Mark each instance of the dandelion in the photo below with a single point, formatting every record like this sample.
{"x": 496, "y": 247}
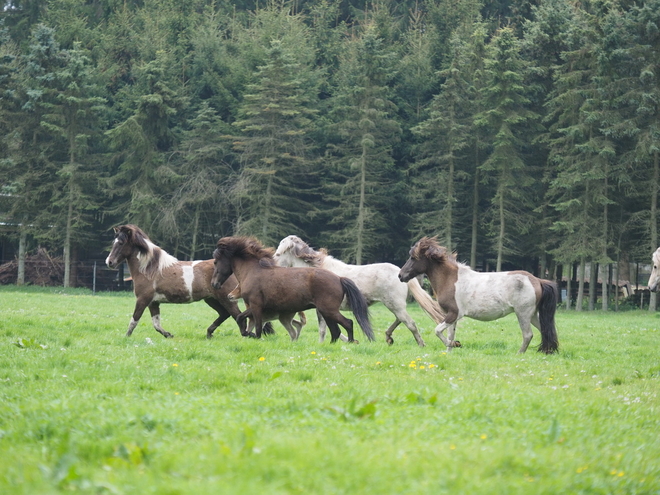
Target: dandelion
{"x": 175, "y": 365}
{"x": 176, "y": 393}
{"x": 452, "y": 447}
{"x": 421, "y": 367}
{"x": 413, "y": 365}
{"x": 262, "y": 358}
{"x": 313, "y": 352}
{"x": 377, "y": 363}
{"x": 483, "y": 436}
{"x": 431, "y": 366}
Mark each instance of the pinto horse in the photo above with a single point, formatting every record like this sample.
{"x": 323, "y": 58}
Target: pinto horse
{"x": 159, "y": 277}
{"x": 377, "y": 281}
{"x": 485, "y": 296}
{"x": 271, "y": 291}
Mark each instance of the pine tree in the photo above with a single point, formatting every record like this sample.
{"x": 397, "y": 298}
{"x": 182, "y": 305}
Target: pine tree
{"x": 365, "y": 132}
{"x": 443, "y": 150}
{"x": 506, "y": 118}
{"x": 277, "y": 170}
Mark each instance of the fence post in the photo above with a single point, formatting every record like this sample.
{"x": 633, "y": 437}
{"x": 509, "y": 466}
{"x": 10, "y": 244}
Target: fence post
{"x": 94, "y": 280}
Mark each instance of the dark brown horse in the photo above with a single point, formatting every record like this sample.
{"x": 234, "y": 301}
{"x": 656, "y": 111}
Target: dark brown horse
{"x": 161, "y": 278}
{"x": 271, "y": 291}
{"x": 485, "y": 296}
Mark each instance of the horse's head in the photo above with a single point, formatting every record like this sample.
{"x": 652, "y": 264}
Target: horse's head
{"x": 422, "y": 254}
{"x": 293, "y": 251}
{"x": 654, "y": 279}
{"x": 128, "y": 240}
{"x": 222, "y": 265}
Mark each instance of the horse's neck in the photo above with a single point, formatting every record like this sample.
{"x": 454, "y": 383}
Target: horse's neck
{"x": 442, "y": 274}
{"x": 154, "y": 264}
{"x": 333, "y": 264}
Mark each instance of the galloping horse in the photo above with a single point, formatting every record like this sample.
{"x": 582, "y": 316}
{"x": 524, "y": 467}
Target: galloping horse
{"x": 485, "y": 296}
{"x": 377, "y": 281}
{"x": 654, "y": 279}
{"x": 271, "y": 291}
{"x": 159, "y": 277}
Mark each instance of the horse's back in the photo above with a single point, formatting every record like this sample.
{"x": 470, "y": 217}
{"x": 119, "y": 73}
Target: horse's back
{"x": 488, "y": 296}
{"x": 376, "y": 281}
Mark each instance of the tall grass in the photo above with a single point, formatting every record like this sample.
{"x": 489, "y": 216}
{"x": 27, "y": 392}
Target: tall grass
{"x": 85, "y": 409}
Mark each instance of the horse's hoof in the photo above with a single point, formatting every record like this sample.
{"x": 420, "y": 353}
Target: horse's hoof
{"x": 457, "y": 343}
{"x": 209, "y": 336}
{"x": 389, "y": 340}
{"x": 168, "y": 335}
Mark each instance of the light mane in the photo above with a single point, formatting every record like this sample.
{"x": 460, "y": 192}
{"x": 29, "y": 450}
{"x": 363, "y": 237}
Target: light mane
{"x": 154, "y": 260}
{"x": 302, "y": 250}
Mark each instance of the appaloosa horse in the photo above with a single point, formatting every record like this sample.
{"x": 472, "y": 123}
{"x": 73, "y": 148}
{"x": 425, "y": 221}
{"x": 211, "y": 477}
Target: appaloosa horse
{"x": 271, "y": 291}
{"x": 159, "y": 277}
{"x": 378, "y": 282}
{"x": 485, "y": 296}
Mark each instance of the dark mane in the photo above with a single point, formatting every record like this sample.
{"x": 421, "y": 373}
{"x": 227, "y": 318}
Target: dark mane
{"x": 245, "y": 247}
{"x": 134, "y": 235}
{"x": 429, "y": 247}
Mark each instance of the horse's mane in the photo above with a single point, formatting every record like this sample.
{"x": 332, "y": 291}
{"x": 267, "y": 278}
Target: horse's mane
{"x": 303, "y": 251}
{"x": 152, "y": 259}
{"x": 429, "y": 247}
{"x": 246, "y": 247}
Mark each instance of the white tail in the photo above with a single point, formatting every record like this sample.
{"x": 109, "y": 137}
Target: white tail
{"x": 430, "y": 307}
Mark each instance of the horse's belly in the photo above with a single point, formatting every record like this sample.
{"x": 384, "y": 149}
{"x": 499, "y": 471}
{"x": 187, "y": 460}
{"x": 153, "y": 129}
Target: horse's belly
{"x": 172, "y": 297}
{"x": 489, "y": 314}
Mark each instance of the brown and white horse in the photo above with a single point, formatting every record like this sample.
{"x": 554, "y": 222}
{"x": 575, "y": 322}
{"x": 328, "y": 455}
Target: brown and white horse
{"x": 273, "y": 292}
{"x": 485, "y": 296}
{"x": 377, "y": 281}
{"x": 159, "y": 277}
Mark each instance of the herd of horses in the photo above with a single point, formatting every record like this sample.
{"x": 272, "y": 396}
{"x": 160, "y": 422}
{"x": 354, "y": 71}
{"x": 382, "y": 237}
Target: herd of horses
{"x": 280, "y": 284}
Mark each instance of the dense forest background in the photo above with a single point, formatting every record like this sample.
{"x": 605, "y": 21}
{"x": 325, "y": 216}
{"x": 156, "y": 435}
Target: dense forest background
{"x": 523, "y": 133}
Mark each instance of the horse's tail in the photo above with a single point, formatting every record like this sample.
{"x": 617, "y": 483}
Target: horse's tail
{"x": 358, "y": 305}
{"x": 546, "y": 307}
{"x": 425, "y": 301}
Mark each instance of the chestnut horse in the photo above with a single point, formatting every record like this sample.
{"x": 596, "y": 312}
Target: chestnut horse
{"x": 485, "y": 296}
{"x": 271, "y": 291}
{"x": 159, "y": 278}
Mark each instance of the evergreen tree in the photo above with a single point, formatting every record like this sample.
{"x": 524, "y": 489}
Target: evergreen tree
{"x": 443, "y": 150}
{"x": 277, "y": 169}
{"x": 365, "y": 131}
{"x": 506, "y": 118}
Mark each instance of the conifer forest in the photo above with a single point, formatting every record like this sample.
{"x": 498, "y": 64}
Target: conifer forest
{"x": 523, "y": 133}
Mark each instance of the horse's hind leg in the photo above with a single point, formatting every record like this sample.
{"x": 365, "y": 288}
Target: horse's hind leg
{"x": 525, "y": 323}
{"x": 154, "y": 309}
{"x": 402, "y": 316}
{"x": 288, "y": 322}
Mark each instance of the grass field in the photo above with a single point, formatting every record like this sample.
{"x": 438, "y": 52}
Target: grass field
{"x": 85, "y": 409}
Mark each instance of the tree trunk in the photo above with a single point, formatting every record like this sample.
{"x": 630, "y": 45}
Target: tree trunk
{"x": 568, "y": 286}
{"x": 654, "y": 217}
{"x": 67, "y": 238}
{"x": 22, "y": 248}
{"x": 475, "y": 214}
{"x": 593, "y": 285}
{"x": 580, "y": 296}
{"x": 193, "y": 247}
{"x": 450, "y": 204}
{"x": 361, "y": 207}
{"x": 500, "y": 238}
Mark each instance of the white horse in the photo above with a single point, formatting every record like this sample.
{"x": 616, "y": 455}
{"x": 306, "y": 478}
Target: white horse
{"x": 377, "y": 281}
{"x": 654, "y": 279}
{"x": 485, "y": 296}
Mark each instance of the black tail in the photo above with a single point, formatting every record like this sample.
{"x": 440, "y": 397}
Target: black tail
{"x": 547, "y": 307}
{"x": 358, "y": 304}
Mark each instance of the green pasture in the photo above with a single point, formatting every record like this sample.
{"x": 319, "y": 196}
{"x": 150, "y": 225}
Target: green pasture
{"x": 85, "y": 409}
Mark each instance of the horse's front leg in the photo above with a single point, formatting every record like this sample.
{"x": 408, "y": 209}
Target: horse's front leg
{"x": 243, "y": 327}
{"x": 154, "y": 309}
{"x": 449, "y": 323}
{"x": 140, "y": 306}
